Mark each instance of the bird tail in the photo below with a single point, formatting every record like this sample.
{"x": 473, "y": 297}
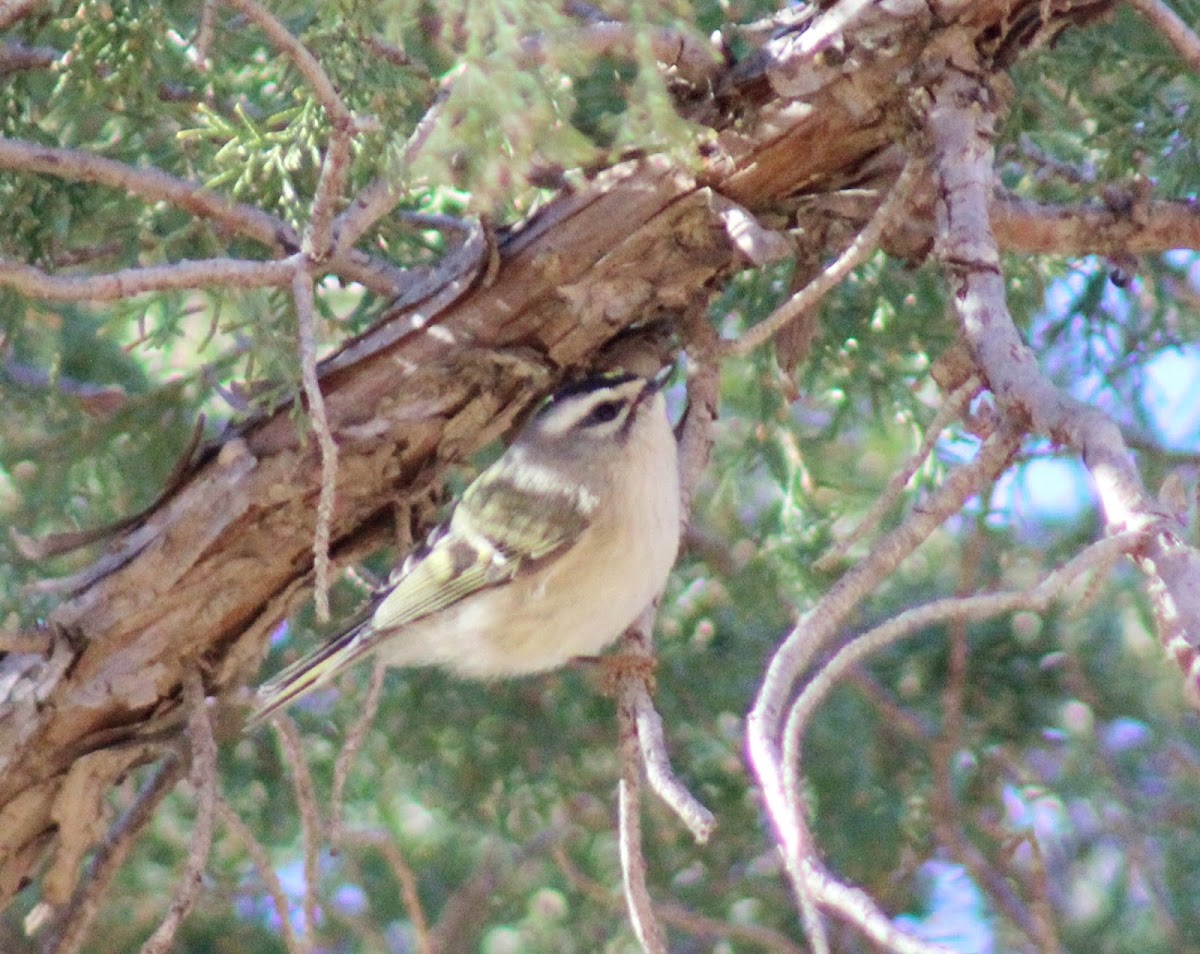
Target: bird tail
{"x": 310, "y": 672}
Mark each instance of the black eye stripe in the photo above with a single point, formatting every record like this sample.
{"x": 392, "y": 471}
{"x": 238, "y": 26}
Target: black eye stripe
{"x": 603, "y": 413}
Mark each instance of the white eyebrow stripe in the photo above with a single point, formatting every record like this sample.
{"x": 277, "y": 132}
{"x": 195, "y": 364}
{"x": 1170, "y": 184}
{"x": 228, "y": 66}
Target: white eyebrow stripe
{"x": 563, "y": 417}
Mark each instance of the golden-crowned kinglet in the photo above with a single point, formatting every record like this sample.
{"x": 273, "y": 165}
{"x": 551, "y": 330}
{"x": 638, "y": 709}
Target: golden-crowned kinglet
{"x": 551, "y": 553}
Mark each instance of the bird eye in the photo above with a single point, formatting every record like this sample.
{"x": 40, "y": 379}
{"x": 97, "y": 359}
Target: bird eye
{"x": 602, "y": 413}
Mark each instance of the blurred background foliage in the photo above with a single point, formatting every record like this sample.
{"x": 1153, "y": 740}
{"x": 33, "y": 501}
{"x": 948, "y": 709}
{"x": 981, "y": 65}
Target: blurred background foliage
{"x": 1057, "y": 755}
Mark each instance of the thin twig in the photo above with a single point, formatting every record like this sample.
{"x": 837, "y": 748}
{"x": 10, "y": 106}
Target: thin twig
{"x": 381, "y": 841}
{"x": 629, "y": 833}
{"x": 318, "y": 236}
{"x": 951, "y": 609}
{"x": 310, "y": 815}
{"x": 203, "y": 41}
{"x": 634, "y": 692}
{"x": 663, "y": 781}
{"x": 385, "y": 844}
{"x": 152, "y": 185}
{"x": 946, "y": 814}
{"x": 695, "y": 438}
{"x": 764, "y": 726}
{"x": 951, "y": 410}
{"x": 203, "y": 776}
{"x": 856, "y": 253}
{"x": 127, "y": 282}
{"x": 354, "y": 741}
{"x": 15, "y": 10}
{"x": 308, "y": 65}
{"x": 380, "y": 197}
{"x": 270, "y": 878}
{"x": 76, "y": 919}
{"x": 676, "y": 914}
{"x": 302, "y": 293}
{"x": 16, "y": 56}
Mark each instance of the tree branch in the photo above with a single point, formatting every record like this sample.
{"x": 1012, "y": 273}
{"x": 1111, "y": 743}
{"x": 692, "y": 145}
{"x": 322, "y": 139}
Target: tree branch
{"x": 857, "y": 252}
{"x": 73, "y": 924}
{"x": 152, "y": 185}
{"x": 128, "y": 282}
{"x": 962, "y": 123}
{"x": 203, "y": 777}
{"x": 765, "y": 729}
{"x": 1174, "y": 30}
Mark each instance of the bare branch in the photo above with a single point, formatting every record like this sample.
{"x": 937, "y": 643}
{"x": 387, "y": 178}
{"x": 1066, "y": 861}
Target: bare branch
{"x": 302, "y": 293}
{"x": 962, "y": 123}
{"x": 676, "y": 914}
{"x": 318, "y": 236}
{"x": 13, "y": 10}
{"x": 952, "y": 409}
{"x": 385, "y": 844}
{"x": 73, "y": 924}
{"x": 310, "y": 816}
{"x": 951, "y": 609}
{"x": 765, "y": 729}
{"x": 853, "y": 904}
{"x": 695, "y": 438}
{"x": 629, "y": 825}
{"x": 380, "y": 197}
{"x": 270, "y": 878}
{"x": 857, "y": 907}
{"x": 353, "y": 743}
{"x": 308, "y": 65}
{"x": 203, "y": 41}
{"x": 152, "y": 185}
{"x": 856, "y": 253}
{"x": 203, "y": 776}
{"x": 663, "y": 781}
{"x": 180, "y": 276}
{"x": 1023, "y": 225}
{"x": 16, "y": 56}
{"x": 946, "y": 813}
{"x": 1173, "y": 28}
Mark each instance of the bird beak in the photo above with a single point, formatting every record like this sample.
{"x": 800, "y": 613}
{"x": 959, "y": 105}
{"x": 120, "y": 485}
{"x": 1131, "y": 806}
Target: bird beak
{"x": 659, "y": 381}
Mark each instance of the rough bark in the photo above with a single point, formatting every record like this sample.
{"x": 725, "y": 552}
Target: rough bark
{"x": 204, "y": 579}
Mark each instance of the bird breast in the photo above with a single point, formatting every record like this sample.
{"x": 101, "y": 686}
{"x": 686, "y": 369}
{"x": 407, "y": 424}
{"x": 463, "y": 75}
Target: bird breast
{"x": 576, "y": 602}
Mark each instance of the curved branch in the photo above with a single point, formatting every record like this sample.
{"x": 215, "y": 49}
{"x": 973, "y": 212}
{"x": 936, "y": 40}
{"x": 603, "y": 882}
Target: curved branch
{"x": 962, "y": 123}
{"x": 153, "y": 185}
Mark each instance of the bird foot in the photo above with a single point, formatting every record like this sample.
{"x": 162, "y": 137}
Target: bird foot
{"x": 613, "y": 669}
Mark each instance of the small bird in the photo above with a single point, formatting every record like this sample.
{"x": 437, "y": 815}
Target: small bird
{"x": 551, "y": 553}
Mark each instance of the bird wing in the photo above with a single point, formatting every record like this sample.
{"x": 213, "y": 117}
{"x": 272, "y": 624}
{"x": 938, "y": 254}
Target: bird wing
{"x": 509, "y": 520}
{"x": 506, "y": 523}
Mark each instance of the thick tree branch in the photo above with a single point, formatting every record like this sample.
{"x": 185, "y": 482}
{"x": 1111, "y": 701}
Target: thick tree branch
{"x": 962, "y": 124}
{"x": 1022, "y": 225}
